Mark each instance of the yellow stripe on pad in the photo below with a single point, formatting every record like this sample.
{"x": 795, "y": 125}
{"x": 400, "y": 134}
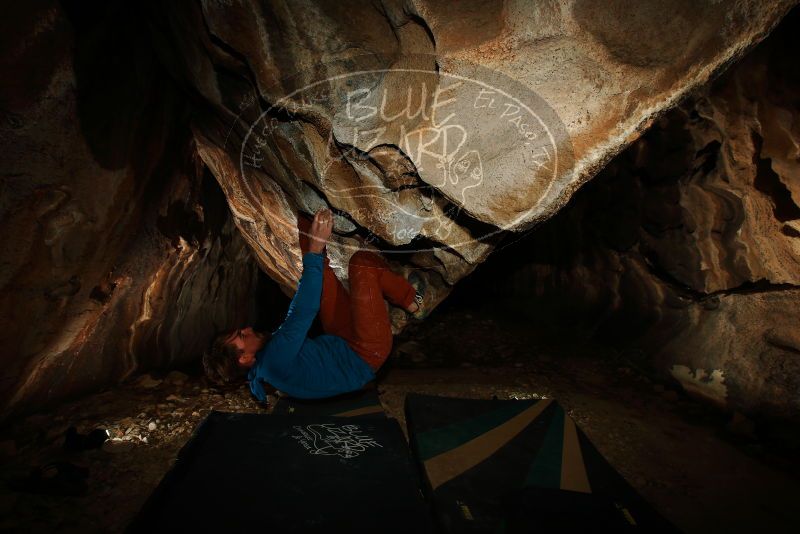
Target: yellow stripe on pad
{"x": 573, "y": 470}
{"x": 448, "y": 465}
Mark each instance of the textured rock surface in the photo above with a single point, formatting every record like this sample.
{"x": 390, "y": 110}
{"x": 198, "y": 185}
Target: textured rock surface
{"x": 118, "y": 254}
{"x": 701, "y": 258}
{"x": 118, "y": 251}
{"x": 462, "y": 122}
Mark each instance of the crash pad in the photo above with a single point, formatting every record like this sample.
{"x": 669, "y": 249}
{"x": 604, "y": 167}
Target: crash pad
{"x": 289, "y": 473}
{"x": 363, "y": 403}
{"x": 518, "y": 466}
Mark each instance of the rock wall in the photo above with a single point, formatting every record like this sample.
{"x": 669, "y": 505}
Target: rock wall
{"x": 433, "y": 128}
{"x": 687, "y": 244}
{"x": 118, "y": 250}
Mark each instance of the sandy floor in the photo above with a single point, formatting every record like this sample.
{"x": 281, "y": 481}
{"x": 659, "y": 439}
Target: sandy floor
{"x": 676, "y": 452}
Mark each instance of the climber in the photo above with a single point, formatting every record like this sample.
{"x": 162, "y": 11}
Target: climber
{"x": 357, "y": 338}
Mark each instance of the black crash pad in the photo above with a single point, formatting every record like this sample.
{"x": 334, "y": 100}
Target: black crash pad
{"x": 518, "y": 466}
{"x": 363, "y": 403}
{"x": 278, "y": 473}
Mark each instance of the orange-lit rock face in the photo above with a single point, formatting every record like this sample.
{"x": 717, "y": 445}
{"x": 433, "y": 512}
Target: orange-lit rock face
{"x": 433, "y": 129}
{"x": 118, "y": 251}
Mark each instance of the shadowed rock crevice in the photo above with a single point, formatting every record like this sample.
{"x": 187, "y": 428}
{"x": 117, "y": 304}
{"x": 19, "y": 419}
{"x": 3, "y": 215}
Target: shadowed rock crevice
{"x": 697, "y": 271}
{"x": 768, "y": 182}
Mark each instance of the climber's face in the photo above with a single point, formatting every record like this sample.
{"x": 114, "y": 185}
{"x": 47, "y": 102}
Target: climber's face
{"x": 247, "y": 342}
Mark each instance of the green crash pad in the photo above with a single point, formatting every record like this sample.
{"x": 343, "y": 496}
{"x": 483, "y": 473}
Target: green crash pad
{"x": 518, "y": 466}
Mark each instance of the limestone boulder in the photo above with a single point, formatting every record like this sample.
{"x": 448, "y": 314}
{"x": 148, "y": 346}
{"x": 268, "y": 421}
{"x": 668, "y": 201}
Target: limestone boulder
{"x": 434, "y": 128}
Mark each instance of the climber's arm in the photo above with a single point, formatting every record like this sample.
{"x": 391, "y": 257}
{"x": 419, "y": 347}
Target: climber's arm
{"x": 289, "y": 337}
{"x": 287, "y": 340}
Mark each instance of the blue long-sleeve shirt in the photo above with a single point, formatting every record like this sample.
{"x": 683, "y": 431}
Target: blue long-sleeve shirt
{"x": 302, "y": 367}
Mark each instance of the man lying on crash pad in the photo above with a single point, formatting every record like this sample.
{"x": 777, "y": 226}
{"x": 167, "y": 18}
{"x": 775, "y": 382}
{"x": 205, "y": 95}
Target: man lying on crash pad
{"x": 358, "y": 335}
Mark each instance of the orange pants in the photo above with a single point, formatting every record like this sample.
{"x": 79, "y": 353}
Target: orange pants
{"x": 360, "y": 317}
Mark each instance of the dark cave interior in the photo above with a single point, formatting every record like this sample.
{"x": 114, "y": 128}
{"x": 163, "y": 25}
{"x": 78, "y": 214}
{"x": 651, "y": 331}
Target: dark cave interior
{"x": 659, "y": 305}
